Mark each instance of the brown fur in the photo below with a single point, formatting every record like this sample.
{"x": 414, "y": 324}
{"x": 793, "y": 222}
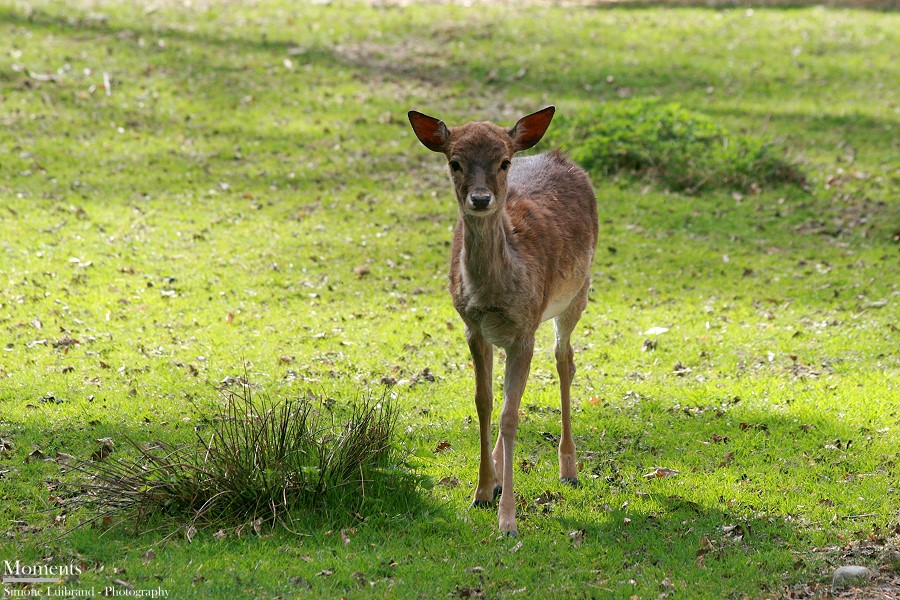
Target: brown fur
{"x": 522, "y": 259}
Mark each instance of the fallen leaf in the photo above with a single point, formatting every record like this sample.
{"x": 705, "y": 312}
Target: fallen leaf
{"x": 443, "y": 446}
{"x": 734, "y": 531}
{"x": 105, "y": 449}
{"x": 705, "y": 546}
{"x": 548, "y": 497}
{"x": 680, "y": 369}
{"x": 62, "y": 457}
{"x": 661, "y": 473}
{"x": 35, "y": 455}
{"x": 577, "y": 537}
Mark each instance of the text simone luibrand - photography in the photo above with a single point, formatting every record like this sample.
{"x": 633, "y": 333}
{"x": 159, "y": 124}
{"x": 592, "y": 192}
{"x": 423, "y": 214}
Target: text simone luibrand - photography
{"x": 24, "y": 581}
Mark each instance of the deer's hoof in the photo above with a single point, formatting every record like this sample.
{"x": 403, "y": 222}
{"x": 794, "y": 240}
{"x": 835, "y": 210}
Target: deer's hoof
{"x": 512, "y": 533}
{"x": 488, "y": 503}
{"x": 573, "y": 481}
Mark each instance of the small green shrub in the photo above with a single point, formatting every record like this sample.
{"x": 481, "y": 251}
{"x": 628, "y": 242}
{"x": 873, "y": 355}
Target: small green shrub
{"x": 670, "y": 145}
{"x": 259, "y": 459}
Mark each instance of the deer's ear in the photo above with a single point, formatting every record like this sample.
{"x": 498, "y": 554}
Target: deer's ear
{"x": 432, "y": 132}
{"x": 529, "y": 130}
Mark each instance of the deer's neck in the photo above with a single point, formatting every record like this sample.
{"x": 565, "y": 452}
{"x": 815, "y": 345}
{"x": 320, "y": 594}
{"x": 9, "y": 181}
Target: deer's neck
{"x": 488, "y": 258}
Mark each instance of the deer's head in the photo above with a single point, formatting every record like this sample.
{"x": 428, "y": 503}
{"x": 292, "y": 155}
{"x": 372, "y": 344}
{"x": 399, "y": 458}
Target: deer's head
{"x": 479, "y": 155}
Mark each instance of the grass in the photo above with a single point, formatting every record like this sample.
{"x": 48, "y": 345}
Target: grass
{"x": 260, "y": 461}
{"x": 673, "y": 147}
{"x": 190, "y": 193}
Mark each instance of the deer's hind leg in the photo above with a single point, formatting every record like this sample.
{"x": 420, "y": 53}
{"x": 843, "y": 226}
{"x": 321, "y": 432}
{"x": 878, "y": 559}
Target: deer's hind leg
{"x": 565, "y": 366}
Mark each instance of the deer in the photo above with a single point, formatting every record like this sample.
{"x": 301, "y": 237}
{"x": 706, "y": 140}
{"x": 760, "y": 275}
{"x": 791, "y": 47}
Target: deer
{"x": 521, "y": 254}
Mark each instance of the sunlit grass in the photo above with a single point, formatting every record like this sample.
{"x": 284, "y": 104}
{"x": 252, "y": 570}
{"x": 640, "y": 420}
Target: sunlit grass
{"x": 247, "y": 199}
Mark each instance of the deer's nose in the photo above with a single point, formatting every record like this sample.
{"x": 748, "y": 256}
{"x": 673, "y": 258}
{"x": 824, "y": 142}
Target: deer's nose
{"x": 480, "y": 200}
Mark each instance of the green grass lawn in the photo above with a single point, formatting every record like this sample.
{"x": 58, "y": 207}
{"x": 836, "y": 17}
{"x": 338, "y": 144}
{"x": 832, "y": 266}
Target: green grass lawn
{"x": 191, "y": 191}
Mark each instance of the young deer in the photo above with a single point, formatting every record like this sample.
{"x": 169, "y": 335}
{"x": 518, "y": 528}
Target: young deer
{"x": 522, "y": 253}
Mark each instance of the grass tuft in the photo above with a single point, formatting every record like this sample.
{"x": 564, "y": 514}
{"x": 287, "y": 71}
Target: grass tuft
{"x": 258, "y": 459}
{"x": 673, "y": 146}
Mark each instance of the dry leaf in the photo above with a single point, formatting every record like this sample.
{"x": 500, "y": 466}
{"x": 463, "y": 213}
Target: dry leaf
{"x": 577, "y": 537}
{"x": 35, "y": 455}
{"x": 62, "y": 457}
{"x": 443, "y": 446}
{"x": 680, "y": 369}
{"x": 105, "y": 449}
{"x": 661, "y": 473}
{"x": 705, "y": 546}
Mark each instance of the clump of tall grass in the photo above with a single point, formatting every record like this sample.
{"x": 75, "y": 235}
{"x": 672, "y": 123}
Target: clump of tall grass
{"x": 672, "y": 146}
{"x": 258, "y": 459}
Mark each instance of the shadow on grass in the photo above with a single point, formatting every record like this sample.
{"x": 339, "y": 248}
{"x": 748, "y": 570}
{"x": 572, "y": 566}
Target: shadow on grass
{"x": 207, "y": 70}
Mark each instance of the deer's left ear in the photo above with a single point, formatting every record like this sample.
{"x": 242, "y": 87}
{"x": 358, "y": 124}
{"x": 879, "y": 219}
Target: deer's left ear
{"x": 529, "y": 130}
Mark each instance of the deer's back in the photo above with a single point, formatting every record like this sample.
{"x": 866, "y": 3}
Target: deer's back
{"x": 552, "y": 195}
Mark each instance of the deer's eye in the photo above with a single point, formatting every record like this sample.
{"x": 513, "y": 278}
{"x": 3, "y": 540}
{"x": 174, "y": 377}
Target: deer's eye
{"x": 504, "y": 165}
{"x": 455, "y": 166}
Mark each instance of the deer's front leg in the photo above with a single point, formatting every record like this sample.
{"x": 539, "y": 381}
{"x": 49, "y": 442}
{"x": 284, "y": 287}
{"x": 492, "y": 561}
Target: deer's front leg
{"x": 483, "y": 360}
{"x": 518, "y": 364}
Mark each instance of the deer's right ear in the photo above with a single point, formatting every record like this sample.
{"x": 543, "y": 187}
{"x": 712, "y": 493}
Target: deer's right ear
{"x": 432, "y": 132}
